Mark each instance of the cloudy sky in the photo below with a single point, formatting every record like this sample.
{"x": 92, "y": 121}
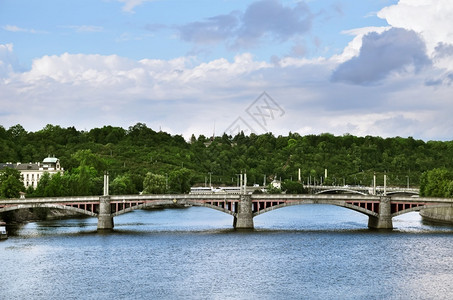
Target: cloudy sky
{"x": 369, "y": 67}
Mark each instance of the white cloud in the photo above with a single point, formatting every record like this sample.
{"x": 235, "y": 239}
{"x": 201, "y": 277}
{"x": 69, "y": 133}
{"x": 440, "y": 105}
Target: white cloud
{"x": 14, "y": 28}
{"x": 130, "y": 5}
{"x": 353, "y": 47}
{"x": 85, "y": 28}
{"x": 431, "y": 18}
{"x": 264, "y": 20}
{"x": 184, "y": 95}
{"x": 8, "y": 61}
{"x": 394, "y": 50}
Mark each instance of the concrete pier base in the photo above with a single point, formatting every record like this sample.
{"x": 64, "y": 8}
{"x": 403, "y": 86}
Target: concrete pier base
{"x": 384, "y": 220}
{"x": 244, "y": 217}
{"x": 105, "y": 218}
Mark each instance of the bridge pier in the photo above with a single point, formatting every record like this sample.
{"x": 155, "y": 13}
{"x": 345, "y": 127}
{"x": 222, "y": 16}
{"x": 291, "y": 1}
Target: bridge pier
{"x": 105, "y": 218}
{"x": 244, "y": 216}
{"x": 384, "y": 220}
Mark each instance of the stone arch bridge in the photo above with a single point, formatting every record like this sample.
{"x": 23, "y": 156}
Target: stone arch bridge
{"x": 379, "y": 209}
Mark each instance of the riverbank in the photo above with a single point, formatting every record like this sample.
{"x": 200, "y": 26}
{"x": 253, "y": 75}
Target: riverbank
{"x": 438, "y": 214}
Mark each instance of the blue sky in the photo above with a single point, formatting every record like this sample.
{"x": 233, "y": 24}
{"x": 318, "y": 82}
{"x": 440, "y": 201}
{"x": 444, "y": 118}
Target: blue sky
{"x": 152, "y": 29}
{"x": 375, "y": 67}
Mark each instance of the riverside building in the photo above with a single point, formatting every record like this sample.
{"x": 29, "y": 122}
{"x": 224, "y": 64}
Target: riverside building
{"x": 32, "y": 172}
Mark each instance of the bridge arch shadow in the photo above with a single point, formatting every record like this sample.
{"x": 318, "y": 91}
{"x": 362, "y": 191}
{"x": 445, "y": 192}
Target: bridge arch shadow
{"x": 50, "y": 206}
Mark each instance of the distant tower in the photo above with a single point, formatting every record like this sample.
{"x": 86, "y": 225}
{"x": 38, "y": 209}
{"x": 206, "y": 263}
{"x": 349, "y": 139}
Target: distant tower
{"x": 213, "y": 133}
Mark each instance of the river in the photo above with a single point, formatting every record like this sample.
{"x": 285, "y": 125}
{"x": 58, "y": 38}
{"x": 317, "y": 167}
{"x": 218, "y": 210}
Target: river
{"x": 297, "y": 252}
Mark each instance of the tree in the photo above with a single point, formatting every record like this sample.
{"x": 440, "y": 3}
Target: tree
{"x": 436, "y": 183}
{"x": 55, "y": 188}
{"x": 17, "y": 131}
{"x": 273, "y": 190}
{"x": 154, "y": 184}
{"x": 88, "y": 158}
{"x": 42, "y": 188}
{"x": 180, "y": 180}
{"x": 11, "y": 183}
{"x": 122, "y": 185}
{"x": 85, "y": 180}
{"x": 293, "y": 187}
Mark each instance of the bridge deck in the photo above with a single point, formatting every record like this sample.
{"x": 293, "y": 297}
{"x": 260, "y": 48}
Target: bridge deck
{"x": 228, "y": 203}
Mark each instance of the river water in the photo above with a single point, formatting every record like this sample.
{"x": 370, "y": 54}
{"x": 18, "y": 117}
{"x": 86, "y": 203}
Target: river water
{"x": 298, "y": 252}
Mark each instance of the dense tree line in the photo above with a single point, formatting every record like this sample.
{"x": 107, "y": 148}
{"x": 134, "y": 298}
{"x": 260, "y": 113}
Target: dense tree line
{"x": 437, "y": 183}
{"x": 139, "y": 154}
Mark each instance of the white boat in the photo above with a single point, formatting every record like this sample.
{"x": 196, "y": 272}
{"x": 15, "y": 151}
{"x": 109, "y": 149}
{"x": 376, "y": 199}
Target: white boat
{"x": 3, "y": 233}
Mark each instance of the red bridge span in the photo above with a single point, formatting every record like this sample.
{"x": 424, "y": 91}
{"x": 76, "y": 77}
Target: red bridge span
{"x": 379, "y": 209}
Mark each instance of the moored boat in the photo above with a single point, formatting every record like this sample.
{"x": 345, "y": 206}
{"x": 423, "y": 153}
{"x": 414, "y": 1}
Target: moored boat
{"x": 3, "y": 233}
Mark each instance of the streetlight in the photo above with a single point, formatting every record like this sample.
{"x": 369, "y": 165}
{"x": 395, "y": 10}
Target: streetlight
{"x": 166, "y": 182}
{"x": 210, "y": 173}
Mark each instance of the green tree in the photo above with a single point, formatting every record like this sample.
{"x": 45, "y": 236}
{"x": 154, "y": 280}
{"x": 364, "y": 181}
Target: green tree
{"x": 436, "y": 183}
{"x": 55, "y": 188}
{"x": 11, "y": 183}
{"x": 273, "y": 190}
{"x": 88, "y": 158}
{"x": 43, "y": 184}
{"x": 154, "y": 184}
{"x": 86, "y": 179}
{"x": 180, "y": 180}
{"x": 293, "y": 187}
{"x": 122, "y": 185}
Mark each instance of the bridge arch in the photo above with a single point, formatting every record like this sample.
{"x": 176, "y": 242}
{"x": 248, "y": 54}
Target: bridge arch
{"x": 402, "y": 192}
{"x": 171, "y": 202}
{"x": 345, "y": 205}
{"x": 54, "y": 206}
{"x": 419, "y": 208}
{"x": 344, "y": 191}
{"x": 219, "y": 208}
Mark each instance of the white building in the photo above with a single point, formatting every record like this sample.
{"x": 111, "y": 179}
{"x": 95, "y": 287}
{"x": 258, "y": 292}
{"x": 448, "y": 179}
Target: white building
{"x": 32, "y": 172}
{"x": 276, "y": 184}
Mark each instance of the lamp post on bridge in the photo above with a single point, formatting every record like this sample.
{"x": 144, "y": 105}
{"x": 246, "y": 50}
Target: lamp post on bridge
{"x": 106, "y": 183}
{"x": 374, "y": 184}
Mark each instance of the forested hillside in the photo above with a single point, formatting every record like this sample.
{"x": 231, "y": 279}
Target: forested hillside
{"x": 129, "y": 154}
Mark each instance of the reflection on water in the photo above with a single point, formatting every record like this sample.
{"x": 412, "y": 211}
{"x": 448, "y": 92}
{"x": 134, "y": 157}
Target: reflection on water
{"x": 311, "y": 251}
